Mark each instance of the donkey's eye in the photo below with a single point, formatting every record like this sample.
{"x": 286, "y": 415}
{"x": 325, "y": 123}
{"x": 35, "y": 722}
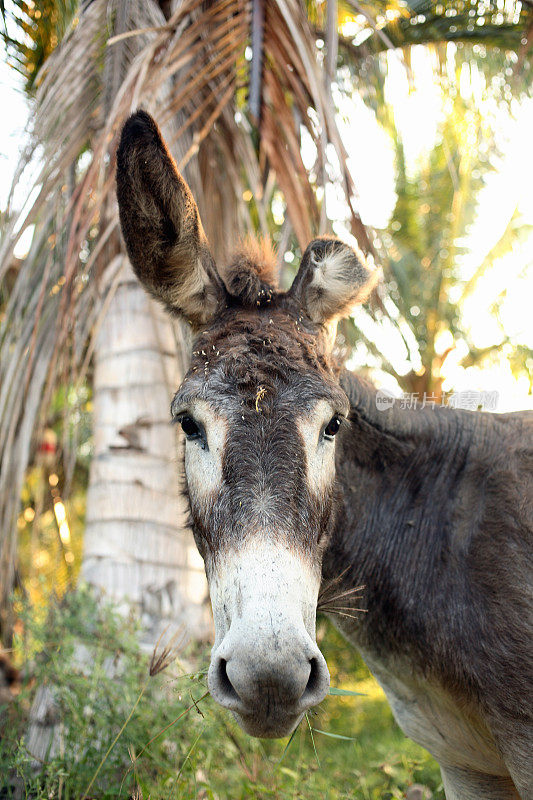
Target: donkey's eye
{"x": 332, "y": 427}
{"x": 190, "y": 428}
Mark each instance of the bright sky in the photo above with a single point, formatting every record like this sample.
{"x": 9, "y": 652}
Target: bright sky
{"x": 417, "y": 112}
{"x": 15, "y": 114}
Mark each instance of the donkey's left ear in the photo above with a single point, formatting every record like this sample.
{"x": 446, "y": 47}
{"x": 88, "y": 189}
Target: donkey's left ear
{"x": 331, "y": 280}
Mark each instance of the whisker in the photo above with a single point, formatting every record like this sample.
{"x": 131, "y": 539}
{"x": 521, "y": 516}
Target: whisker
{"x": 324, "y": 598}
{"x": 342, "y": 613}
{"x": 338, "y": 577}
{"x": 334, "y": 581}
{"x": 351, "y": 589}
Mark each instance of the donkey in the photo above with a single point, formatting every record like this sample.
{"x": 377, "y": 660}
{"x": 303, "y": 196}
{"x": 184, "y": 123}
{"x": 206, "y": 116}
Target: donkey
{"x": 296, "y": 478}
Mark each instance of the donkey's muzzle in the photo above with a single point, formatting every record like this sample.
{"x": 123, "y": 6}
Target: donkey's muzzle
{"x": 265, "y": 685}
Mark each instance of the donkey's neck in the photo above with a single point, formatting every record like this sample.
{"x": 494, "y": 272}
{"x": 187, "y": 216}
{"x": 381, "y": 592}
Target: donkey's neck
{"x": 410, "y": 424}
{"x": 398, "y": 533}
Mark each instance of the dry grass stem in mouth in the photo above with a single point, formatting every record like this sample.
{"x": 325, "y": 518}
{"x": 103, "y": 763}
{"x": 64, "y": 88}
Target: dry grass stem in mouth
{"x": 312, "y": 738}
{"x": 161, "y": 660}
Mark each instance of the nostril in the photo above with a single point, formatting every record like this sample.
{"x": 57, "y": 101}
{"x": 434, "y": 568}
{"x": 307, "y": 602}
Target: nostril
{"x": 313, "y": 680}
{"x": 225, "y": 685}
{"x": 317, "y": 683}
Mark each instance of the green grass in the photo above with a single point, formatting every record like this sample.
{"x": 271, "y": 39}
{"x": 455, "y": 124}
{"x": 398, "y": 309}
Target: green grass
{"x": 131, "y": 735}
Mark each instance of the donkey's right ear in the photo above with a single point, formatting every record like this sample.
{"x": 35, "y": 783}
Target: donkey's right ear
{"x": 161, "y": 225}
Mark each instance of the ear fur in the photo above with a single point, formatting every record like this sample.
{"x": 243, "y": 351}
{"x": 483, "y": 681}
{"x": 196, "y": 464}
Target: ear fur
{"x": 161, "y": 225}
{"x": 252, "y": 275}
{"x": 331, "y": 280}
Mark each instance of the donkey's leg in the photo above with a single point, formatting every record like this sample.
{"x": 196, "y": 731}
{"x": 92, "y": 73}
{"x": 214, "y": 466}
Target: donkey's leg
{"x": 464, "y": 784}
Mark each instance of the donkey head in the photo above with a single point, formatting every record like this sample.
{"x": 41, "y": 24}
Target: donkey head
{"x": 260, "y": 407}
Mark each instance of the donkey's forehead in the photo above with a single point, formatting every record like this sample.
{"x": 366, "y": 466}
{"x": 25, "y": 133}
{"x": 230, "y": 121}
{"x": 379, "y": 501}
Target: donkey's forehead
{"x": 264, "y": 362}
{"x": 227, "y": 398}
{"x": 280, "y": 328}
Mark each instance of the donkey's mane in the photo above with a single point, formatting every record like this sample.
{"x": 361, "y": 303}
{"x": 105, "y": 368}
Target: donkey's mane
{"x": 251, "y": 277}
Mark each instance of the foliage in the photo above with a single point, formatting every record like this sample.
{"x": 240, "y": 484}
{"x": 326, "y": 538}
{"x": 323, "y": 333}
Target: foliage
{"x": 38, "y": 27}
{"x": 437, "y": 203}
{"x": 165, "y": 751}
{"x": 55, "y": 486}
{"x": 403, "y": 23}
{"x": 434, "y": 209}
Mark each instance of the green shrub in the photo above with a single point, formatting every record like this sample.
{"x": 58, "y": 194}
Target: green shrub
{"x": 126, "y": 733}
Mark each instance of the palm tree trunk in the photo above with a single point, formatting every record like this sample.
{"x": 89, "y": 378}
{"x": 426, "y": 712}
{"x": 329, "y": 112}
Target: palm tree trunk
{"x": 137, "y": 545}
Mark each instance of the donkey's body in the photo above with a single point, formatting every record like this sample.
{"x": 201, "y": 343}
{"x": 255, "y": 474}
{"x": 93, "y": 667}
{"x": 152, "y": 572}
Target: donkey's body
{"x": 436, "y": 524}
{"x": 294, "y": 476}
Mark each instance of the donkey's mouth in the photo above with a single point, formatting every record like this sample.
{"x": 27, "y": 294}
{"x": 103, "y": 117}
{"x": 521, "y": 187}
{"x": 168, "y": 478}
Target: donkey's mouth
{"x": 270, "y": 717}
{"x": 276, "y": 725}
